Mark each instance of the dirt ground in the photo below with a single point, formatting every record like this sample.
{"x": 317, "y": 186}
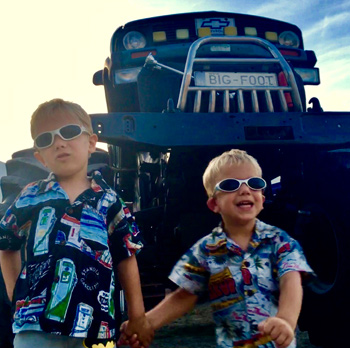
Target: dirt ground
{"x": 196, "y": 330}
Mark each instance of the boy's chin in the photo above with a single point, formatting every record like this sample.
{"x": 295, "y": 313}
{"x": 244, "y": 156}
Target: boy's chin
{"x": 240, "y": 220}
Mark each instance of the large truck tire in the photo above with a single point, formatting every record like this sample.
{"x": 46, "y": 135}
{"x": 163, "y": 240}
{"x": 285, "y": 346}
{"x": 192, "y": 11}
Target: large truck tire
{"x": 323, "y": 229}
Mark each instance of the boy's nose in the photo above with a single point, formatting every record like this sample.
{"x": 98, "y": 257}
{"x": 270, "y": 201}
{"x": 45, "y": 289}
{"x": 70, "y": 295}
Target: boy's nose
{"x": 244, "y": 188}
{"x": 58, "y": 141}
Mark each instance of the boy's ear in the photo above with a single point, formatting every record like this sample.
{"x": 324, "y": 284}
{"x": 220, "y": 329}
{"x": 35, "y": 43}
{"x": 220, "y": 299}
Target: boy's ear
{"x": 92, "y": 143}
{"x": 211, "y": 203}
{"x": 39, "y": 158}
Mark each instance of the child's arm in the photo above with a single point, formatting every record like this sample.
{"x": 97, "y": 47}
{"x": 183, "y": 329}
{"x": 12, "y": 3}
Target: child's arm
{"x": 130, "y": 281}
{"x": 291, "y": 295}
{"x": 10, "y": 262}
{"x": 281, "y": 327}
{"x": 174, "y": 306}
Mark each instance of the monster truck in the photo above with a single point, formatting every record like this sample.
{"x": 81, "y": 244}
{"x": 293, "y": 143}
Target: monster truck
{"x": 180, "y": 89}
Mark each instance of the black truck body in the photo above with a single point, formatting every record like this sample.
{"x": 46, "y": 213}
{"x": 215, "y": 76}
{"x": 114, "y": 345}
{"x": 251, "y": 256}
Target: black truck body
{"x": 186, "y": 99}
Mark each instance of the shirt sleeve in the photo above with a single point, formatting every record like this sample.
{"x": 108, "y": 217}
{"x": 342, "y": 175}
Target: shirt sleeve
{"x": 190, "y": 272}
{"x": 124, "y": 235}
{"x": 290, "y": 256}
{"x": 13, "y": 231}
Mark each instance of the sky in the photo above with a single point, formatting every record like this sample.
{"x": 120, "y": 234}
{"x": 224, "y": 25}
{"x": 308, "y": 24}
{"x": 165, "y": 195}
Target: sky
{"x": 51, "y": 49}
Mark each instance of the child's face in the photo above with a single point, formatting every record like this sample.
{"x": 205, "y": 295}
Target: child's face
{"x": 66, "y": 158}
{"x": 242, "y": 206}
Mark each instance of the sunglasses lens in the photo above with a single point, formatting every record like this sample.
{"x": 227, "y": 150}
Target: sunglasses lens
{"x": 257, "y": 183}
{"x": 43, "y": 140}
{"x": 71, "y": 131}
{"x": 229, "y": 185}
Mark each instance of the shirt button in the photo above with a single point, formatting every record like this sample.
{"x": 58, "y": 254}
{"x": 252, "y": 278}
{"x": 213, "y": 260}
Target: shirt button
{"x": 69, "y": 210}
{"x": 248, "y": 293}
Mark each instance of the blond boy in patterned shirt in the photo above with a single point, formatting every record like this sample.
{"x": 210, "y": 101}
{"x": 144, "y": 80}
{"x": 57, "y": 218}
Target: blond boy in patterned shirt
{"x": 251, "y": 270}
{"x": 78, "y": 236}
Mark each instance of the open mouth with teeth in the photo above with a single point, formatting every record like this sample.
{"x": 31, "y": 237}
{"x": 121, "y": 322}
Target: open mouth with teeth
{"x": 245, "y": 204}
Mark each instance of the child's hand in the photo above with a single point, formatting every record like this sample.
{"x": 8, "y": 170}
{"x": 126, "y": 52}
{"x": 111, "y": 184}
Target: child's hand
{"x": 137, "y": 333}
{"x": 279, "y": 330}
{"x": 124, "y": 340}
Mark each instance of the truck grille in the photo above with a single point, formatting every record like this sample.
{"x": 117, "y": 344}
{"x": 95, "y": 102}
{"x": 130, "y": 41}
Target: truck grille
{"x": 283, "y": 97}
{"x": 237, "y": 100}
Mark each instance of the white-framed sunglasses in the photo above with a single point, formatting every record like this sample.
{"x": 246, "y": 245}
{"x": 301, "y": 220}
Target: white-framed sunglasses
{"x": 67, "y": 132}
{"x": 232, "y": 185}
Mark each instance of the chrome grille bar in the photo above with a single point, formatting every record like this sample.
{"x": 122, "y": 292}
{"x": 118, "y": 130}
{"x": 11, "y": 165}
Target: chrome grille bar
{"x": 226, "y": 101}
{"x": 276, "y": 58}
{"x": 212, "y": 101}
{"x": 283, "y": 100}
{"x": 240, "y": 100}
{"x": 269, "y": 101}
{"x": 255, "y": 103}
{"x": 197, "y": 101}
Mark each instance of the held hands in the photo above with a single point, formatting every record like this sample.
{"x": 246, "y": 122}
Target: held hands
{"x": 280, "y": 331}
{"x": 136, "y": 333}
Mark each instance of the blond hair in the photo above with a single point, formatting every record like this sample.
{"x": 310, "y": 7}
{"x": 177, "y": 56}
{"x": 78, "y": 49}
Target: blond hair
{"x": 54, "y": 109}
{"x": 228, "y": 158}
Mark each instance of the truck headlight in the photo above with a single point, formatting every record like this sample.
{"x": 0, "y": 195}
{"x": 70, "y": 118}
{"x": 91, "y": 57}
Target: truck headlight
{"x": 310, "y": 76}
{"x": 127, "y": 75}
{"x": 134, "y": 40}
{"x": 288, "y": 38}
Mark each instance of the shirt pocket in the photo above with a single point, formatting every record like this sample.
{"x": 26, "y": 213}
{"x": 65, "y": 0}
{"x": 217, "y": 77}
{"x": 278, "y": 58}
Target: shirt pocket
{"x": 93, "y": 229}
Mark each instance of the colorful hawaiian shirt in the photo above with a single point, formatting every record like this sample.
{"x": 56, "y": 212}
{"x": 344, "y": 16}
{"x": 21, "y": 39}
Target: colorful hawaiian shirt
{"x": 243, "y": 286}
{"x": 67, "y": 284}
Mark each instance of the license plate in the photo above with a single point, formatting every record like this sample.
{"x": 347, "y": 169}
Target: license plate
{"x": 222, "y": 79}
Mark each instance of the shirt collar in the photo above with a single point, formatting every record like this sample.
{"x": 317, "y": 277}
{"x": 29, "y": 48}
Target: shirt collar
{"x": 98, "y": 184}
{"x": 50, "y": 183}
{"x": 262, "y": 231}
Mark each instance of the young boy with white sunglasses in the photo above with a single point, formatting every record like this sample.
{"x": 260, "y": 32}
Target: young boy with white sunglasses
{"x": 78, "y": 235}
{"x": 250, "y": 270}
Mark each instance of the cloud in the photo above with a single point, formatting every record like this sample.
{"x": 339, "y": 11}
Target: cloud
{"x": 284, "y": 10}
{"x": 326, "y": 25}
